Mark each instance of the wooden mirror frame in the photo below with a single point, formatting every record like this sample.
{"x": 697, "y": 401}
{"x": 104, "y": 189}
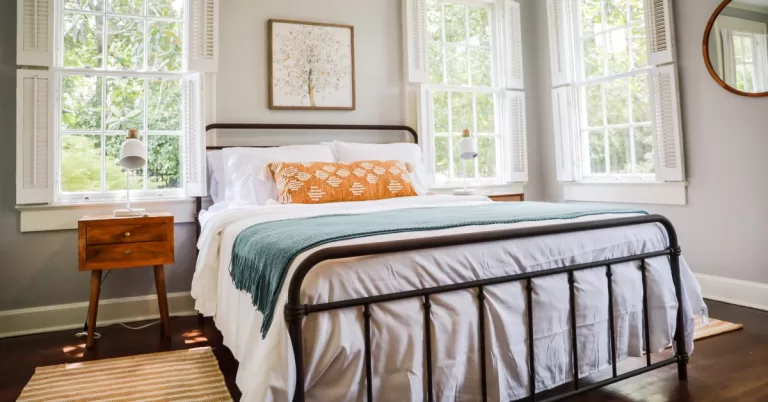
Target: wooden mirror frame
{"x": 708, "y": 63}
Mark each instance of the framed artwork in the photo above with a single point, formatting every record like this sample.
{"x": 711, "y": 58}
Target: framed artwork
{"x": 311, "y": 66}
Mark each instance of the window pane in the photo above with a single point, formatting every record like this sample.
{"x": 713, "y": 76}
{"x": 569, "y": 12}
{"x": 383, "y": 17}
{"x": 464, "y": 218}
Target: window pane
{"x": 135, "y": 7}
{"x": 166, "y": 8}
{"x": 164, "y": 105}
{"x": 435, "y": 63}
{"x": 163, "y": 164}
{"x": 637, "y": 10}
{"x": 80, "y": 102}
{"x": 481, "y": 66}
{"x": 83, "y": 36}
{"x": 593, "y": 58}
{"x": 749, "y": 77}
{"x": 486, "y": 122}
{"x": 455, "y": 23}
{"x": 617, "y": 47}
{"x": 80, "y": 163}
{"x": 115, "y": 175}
{"x": 639, "y": 46}
{"x": 590, "y": 16}
{"x": 440, "y": 111}
{"x": 594, "y": 106}
{"x": 85, "y": 5}
{"x": 461, "y": 168}
{"x": 640, "y": 99}
{"x": 164, "y": 46}
{"x": 617, "y": 102}
{"x": 456, "y": 59}
{"x": 125, "y": 103}
{"x": 596, "y": 152}
{"x": 442, "y": 170}
{"x": 615, "y": 13}
{"x": 125, "y": 43}
{"x": 619, "y": 147}
{"x": 461, "y": 108}
{"x": 479, "y": 26}
{"x": 644, "y": 150}
{"x": 747, "y": 48}
{"x": 434, "y": 20}
{"x": 486, "y": 159}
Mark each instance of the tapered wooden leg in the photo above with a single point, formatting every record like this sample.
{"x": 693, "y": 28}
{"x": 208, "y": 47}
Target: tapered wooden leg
{"x": 93, "y": 305}
{"x": 162, "y": 300}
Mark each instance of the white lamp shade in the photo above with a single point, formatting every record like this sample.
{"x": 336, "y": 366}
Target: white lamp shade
{"x": 468, "y": 148}
{"x": 132, "y": 154}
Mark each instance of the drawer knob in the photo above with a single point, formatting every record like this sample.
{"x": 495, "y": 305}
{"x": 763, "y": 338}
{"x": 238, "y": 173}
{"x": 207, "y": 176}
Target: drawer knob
{"x": 127, "y": 252}
{"x": 127, "y": 234}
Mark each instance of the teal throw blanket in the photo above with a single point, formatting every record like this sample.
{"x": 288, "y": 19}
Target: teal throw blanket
{"x": 263, "y": 252}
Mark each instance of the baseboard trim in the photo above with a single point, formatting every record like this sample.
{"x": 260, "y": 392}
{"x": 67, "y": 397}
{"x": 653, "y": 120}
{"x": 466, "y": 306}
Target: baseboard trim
{"x": 734, "y": 291}
{"x": 71, "y": 316}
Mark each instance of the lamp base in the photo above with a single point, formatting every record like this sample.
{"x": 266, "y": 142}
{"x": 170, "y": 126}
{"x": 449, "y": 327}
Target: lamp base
{"x": 129, "y": 212}
{"x": 464, "y": 191}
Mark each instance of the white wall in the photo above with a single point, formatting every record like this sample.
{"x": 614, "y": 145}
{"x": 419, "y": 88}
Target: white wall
{"x": 724, "y": 228}
{"x": 241, "y": 83}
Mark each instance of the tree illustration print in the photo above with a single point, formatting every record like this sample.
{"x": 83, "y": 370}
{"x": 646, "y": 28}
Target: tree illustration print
{"x": 312, "y": 65}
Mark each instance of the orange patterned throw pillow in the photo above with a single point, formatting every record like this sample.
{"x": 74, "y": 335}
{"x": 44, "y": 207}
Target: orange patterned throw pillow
{"x": 323, "y": 182}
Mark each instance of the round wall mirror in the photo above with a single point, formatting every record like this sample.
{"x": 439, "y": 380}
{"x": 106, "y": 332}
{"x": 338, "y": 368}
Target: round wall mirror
{"x": 736, "y": 48}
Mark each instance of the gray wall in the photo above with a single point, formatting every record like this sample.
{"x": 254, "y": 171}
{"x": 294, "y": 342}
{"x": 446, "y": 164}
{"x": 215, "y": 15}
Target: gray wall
{"x": 724, "y": 227}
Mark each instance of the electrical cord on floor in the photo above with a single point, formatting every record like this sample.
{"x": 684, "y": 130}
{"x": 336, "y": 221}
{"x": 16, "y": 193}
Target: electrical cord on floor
{"x": 141, "y": 327}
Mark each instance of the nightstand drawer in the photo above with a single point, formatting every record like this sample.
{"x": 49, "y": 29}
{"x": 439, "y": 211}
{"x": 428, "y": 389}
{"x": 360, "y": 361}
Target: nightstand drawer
{"x": 126, "y": 233}
{"x": 128, "y": 254}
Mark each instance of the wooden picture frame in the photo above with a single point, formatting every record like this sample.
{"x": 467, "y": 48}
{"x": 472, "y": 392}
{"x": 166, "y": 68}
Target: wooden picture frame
{"x": 291, "y": 83}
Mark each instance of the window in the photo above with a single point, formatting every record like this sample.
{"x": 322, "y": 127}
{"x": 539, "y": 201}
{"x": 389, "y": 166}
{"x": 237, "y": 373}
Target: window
{"x": 615, "y": 96}
{"x": 471, "y": 65}
{"x": 112, "y": 65}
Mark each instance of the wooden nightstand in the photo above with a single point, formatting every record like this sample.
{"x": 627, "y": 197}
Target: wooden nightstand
{"x": 508, "y": 197}
{"x": 109, "y": 242}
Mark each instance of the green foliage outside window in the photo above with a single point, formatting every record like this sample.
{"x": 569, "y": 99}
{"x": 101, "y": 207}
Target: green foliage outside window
{"x": 96, "y": 110}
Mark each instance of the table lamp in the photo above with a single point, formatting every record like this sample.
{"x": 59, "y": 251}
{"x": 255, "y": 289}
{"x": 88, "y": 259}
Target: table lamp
{"x": 132, "y": 157}
{"x": 467, "y": 151}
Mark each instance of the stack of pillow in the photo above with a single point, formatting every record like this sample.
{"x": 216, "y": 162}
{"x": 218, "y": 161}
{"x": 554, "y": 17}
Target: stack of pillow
{"x": 313, "y": 174}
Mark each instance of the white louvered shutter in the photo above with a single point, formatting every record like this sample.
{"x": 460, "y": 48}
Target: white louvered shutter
{"x": 203, "y": 36}
{"x": 34, "y": 38}
{"x": 425, "y": 124}
{"x": 514, "y": 107}
{"x": 667, "y": 127}
{"x": 34, "y": 137}
{"x": 558, "y": 12}
{"x": 194, "y": 137}
{"x": 660, "y": 32}
{"x": 564, "y": 123}
{"x": 514, "y": 45}
{"x": 415, "y": 29}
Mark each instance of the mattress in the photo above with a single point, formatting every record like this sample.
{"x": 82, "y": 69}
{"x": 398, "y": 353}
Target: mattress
{"x": 334, "y": 341}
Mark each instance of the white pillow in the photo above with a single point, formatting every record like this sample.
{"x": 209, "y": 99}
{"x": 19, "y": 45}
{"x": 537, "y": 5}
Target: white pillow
{"x": 402, "y": 151}
{"x": 216, "y": 176}
{"x": 246, "y": 180}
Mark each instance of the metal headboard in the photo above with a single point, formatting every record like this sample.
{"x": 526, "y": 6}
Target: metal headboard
{"x": 276, "y": 126}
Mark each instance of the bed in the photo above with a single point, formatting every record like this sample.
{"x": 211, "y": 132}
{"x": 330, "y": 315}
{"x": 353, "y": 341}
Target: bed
{"x": 468, "y": 313}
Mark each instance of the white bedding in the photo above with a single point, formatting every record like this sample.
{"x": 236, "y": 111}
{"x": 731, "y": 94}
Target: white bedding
{"x": 333, "y": 341}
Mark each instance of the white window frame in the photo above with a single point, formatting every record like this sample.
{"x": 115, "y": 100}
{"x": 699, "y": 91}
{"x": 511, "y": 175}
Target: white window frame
{"x": 59, "y": 71}
{"x": 504, "y": 86}
{"x": 38, "y": 120}
{"x": 742, "y": 27}
{"x": 667, "y": 185}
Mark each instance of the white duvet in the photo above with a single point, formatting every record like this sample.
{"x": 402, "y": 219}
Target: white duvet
{"x": 334, "y": 343}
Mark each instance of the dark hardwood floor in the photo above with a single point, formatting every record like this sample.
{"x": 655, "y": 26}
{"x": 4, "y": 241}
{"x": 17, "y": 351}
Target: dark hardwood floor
{"x": 730, "y": 367}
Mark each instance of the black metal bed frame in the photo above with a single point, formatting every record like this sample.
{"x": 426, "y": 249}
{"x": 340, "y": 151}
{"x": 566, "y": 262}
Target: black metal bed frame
{"x": 295, "y": 310}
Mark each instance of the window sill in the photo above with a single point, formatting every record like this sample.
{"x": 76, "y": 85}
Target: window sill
{"x": 634, "y": 193}
{"x": 501, "y": 189}
{"x": 39, "y": 218}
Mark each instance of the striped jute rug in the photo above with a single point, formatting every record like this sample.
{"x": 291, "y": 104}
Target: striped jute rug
{"x": 184, "y": 375}
{"x": 715, "y": 327}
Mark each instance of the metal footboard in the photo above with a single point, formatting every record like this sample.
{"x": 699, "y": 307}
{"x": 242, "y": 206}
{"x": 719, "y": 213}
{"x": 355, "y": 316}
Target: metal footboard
{"x": 295, "y": 311}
